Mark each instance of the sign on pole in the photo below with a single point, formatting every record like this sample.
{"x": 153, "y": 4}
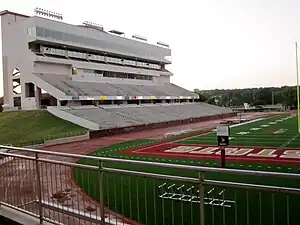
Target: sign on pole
{"x": 223, "y": 134}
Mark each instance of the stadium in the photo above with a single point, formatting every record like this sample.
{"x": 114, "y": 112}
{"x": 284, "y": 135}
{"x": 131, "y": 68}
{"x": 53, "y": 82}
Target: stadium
{"x": 125, "y": 145}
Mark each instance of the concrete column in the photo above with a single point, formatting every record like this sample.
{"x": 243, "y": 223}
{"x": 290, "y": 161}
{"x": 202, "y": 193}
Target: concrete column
{"x": 38, "y": 94}
{"x": 8, "y": 99}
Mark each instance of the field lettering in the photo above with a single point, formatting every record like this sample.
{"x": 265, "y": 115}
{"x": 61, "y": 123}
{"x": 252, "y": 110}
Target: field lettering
{"x": 236, "y": 151}
{"x": 292, "y": 154}
{"x": 264, "y": 153}
{"x": 207, "y": 151}
{"x": 182, "y": 149}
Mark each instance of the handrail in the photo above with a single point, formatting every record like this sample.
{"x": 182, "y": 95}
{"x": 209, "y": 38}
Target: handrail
{"x": 32, "y": 163}
{"x": 161, "y": 165}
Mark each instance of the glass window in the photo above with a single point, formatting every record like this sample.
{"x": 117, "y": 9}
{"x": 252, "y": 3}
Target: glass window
{"x": 57, "y": 35}
{"x": 39, "y": 32}
{"x": 47, "y": 33}
{"x": 64, "y": 37}
{"x": 29, "y": 31}
{"x": 101, "y": 58}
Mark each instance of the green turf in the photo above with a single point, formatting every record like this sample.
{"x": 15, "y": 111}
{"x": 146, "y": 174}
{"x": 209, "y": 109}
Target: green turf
{"x": 263, "y": 137}
{"x": 137, "y": 198}
{"x": 32, "y": 127}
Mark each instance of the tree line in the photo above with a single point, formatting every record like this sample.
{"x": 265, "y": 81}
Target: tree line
{"x": 286, "y": 95}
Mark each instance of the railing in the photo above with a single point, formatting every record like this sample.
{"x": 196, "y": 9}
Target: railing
{"x": 64, "y": 135}
{"x": 48, "y": 138}
{"x": 44, "y": 185}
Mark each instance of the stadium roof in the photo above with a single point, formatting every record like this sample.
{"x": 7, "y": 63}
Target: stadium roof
{"x": 13, "y": 13}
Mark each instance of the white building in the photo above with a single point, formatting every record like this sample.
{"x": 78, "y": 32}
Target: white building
{"x": 81, "y": 65}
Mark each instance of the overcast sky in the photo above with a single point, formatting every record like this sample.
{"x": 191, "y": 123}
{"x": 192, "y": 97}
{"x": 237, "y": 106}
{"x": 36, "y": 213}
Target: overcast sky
{"x": 215, "y": 43}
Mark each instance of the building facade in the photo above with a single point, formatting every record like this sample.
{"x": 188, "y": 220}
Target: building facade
{"x": 80, "y": 64}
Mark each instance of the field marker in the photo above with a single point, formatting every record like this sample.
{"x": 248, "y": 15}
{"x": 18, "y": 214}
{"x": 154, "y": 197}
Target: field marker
{"x": 255, "y": 128}
{"x": 280, "y": 131}
{"x": 264, "y": 125}
{"x": 251, "y": 121}
{"x": 289, "y": 141}
{"x": 272, "y": 123}
{"x": 243, "y": 133}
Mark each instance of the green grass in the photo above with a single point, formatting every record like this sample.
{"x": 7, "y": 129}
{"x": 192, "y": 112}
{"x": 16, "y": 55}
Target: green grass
{"x": 31, "y": 127}
{"x": 137, "y": 198}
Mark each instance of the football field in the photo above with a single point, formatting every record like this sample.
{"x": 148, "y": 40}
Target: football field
{"x": 267, "y": 144}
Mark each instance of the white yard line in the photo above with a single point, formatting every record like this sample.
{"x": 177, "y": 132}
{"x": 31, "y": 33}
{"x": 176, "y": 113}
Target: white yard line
{"x": 289, "y": 141}
{"x": 244, "y": 123}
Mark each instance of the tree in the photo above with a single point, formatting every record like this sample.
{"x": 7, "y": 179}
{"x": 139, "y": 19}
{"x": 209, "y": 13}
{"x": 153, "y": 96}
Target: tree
{"x": 253, "y": 96}
{"x": 203, "y": 97}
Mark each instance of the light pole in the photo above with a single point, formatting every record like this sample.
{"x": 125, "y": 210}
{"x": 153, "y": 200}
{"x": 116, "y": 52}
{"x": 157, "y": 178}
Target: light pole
{"x": 298, "y": 97}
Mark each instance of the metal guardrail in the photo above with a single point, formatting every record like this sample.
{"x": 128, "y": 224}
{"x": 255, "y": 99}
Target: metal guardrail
{"x": 41, "y": 183}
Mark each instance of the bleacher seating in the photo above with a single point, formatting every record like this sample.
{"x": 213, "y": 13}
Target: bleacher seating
{"x": 112, "y": 116}
{"x": 79, "y": 88}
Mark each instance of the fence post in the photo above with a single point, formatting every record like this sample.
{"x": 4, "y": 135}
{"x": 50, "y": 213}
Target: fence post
{"x": 101, "y": 196}
{"x": 39, "y": 189}
{"x": 201, "y": 196}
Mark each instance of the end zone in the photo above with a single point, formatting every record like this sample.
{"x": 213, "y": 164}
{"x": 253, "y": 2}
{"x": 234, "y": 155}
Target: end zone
{"x": 233, "y": 153}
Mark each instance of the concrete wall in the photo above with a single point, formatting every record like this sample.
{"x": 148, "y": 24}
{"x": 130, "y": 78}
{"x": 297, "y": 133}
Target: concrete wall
{"x": 47, "y": 87}
{"x": 97, "y": 40}
{"x": 15, "y": 54}
{"x": 100, "y": 66}
{"x": 116, "y": 131}
{"x": 67, "y": 140}
{"x": 72, "y": 118}
{"x": 51, "y": 68}
{"x": 100, "y": 79}
{"x": 161, "y": 79}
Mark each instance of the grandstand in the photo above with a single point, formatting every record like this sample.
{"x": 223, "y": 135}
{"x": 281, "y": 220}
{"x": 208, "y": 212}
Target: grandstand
{"x": 114, "y": 116}
{"x": 95, "y": 78}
